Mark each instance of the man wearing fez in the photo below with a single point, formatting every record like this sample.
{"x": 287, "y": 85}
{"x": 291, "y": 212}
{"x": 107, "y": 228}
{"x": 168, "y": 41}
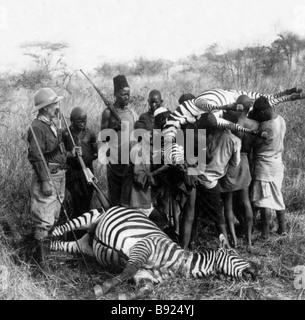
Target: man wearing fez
{"x": 117, "y": 165}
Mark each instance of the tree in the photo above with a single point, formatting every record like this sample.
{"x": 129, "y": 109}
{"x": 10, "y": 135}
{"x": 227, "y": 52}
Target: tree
{"x": 46, "y": 55}
{"x": 105, "y": 70}
{"x": 289, "y": 45}
{"x": 153, "y": 67}
{"x": 48, "y": 59}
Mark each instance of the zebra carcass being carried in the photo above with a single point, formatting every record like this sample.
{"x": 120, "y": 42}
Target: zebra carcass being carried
{"x": 127, "y": 239}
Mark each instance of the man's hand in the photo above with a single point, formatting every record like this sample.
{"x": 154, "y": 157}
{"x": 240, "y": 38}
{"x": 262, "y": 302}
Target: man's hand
{"x": 46, "y": 188}
{"x": 77, "y": 151}
{"x": 263, "y": 134}
{"x": 151, "y": 179}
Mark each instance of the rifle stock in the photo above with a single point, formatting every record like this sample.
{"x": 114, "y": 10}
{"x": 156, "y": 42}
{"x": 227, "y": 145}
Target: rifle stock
{"x": 106, "y": 101}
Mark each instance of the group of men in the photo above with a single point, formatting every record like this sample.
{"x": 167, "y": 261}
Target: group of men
{"x": 246, "y": 129}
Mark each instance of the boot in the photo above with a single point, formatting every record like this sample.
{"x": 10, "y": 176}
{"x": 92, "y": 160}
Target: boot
{"x": 41, "y": 252}
{"x": 281, "y": 221}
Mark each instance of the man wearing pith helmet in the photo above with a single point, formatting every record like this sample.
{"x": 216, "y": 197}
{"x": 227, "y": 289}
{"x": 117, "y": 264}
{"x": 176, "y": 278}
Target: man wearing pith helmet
{"x": 45, "y": 205}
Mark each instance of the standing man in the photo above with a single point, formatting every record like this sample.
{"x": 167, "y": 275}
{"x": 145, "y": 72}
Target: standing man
{"x": 266, "y": 191}
{"x": 147, "y": 119}
{"x": 124, "y": 128}
{"x": 224, "y": 150}
{"x": 81, "y": 192}
{"x": 45, "y": 205}
{"x": 234, "y": 186}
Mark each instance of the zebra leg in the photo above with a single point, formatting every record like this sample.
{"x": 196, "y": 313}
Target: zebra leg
{"x": 86, "y": 221}
{"x": 139, "y": 254}
{"x": 287, "y": 92}
{"x": 82, "y": 245}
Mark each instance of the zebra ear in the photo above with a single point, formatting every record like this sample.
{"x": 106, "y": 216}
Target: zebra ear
{"x": 223, "y": 242}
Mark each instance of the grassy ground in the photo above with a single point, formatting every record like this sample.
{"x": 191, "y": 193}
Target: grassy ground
{"x": 69, "y": 279}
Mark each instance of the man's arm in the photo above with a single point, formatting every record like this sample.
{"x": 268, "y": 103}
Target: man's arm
{"x": 235, "y": 159}
{"x": 93, "y": 144}
{"x": 34, "y": 155}
{"x": 105, "y": 119}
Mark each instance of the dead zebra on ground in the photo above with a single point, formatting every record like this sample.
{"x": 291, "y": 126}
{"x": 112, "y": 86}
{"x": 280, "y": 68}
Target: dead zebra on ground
{"x": 127, "y": 239}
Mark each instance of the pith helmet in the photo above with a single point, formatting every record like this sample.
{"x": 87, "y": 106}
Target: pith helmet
{"x": 45, "y": 96}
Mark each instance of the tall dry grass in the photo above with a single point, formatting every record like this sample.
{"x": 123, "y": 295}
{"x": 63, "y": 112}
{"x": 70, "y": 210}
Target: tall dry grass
{"x": 15, "y": 170}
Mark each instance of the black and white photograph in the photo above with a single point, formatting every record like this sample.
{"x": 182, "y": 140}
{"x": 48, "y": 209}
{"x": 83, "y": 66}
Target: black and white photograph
{"x": 152, "y": 152}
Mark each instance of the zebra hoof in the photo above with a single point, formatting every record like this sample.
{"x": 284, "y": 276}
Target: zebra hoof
{"x": 98, "y": 291}
{"x": 298, "y": 89}
{"x": 102, "y": 290}
{"x": 123, "y": 296}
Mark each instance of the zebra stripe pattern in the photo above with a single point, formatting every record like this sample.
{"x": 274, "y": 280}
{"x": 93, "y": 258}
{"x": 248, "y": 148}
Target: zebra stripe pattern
{"x": 127, "y": 239}
{"x": 84, "y": 222}
{"x": 172, "y": 153}
{"x": 216, "y": 101}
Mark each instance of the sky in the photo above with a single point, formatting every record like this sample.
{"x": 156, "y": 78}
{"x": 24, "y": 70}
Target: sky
{"x": 120, "y": 30}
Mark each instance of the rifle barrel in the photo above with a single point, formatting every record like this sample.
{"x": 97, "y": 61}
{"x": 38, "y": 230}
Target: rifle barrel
{"x": 107, "y": 102}
{"x": 91, "y": 179}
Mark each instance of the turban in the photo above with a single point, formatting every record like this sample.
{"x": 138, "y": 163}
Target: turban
{"x": 77, "y": 113}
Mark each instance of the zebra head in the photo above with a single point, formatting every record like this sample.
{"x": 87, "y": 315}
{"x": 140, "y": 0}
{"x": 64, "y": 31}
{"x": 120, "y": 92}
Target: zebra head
{"x": 229, "y": 263}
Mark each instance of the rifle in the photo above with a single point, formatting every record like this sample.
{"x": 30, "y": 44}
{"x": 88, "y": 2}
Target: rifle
{"x": 90, "y": 178}
{"x": 108, "y": 103}
{"x": 59, "y": 199}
